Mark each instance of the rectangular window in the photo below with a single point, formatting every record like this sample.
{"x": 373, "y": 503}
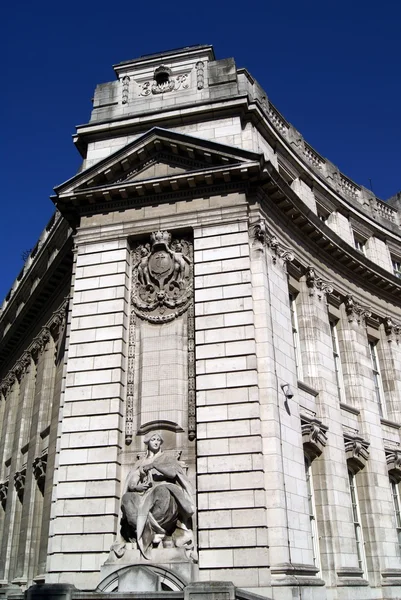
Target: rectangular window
{"x": 337, "y": 362}
{"x": 396, "y": 501}
{"x": 377, "y": 378}
{"x": 295, "y": 336}
{"x": 312, "y": 512}
{"x": 356, "y": 517}
{"x": 359, "y": 244}
{"x": 396, "y": 262}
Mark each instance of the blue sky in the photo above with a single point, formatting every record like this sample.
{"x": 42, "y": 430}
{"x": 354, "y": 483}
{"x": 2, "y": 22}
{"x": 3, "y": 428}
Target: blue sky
{"x": 332, "y": 69}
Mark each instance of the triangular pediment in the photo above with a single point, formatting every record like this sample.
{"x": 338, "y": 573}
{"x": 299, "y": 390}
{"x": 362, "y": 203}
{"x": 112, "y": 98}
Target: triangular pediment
{"x": 158, "y": 153}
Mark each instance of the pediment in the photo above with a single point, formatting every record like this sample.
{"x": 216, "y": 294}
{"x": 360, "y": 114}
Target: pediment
{"x": 153, "y": 156}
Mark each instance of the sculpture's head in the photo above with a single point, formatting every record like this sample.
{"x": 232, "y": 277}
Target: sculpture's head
{"x": 154, "y": 441}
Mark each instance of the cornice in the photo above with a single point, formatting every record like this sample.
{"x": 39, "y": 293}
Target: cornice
{"x": 324, "y": 241}
{"x": 48, "y": 246}
{"x": 38, "y": 344}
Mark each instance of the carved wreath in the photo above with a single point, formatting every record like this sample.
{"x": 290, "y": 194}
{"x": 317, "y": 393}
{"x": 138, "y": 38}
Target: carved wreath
{"x": 162, "y": 278}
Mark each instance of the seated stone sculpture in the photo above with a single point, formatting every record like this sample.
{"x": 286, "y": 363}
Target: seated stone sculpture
{"x": 157, "y": 504}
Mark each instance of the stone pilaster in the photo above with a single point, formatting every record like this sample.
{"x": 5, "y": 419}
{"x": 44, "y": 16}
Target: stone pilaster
{"x": 43, "y": 352}
{"x": 381, "y": 544}
{"x": 389, "y": 352}
{"x": 289, "y": 533}
{"x": 334, "y": 518}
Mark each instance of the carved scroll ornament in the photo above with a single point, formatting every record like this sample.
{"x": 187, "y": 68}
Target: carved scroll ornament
{"x": 316, "y": 284}
{"x": 162, "y": 278}
{"x": 262, "y": 238}
{"x": 355, "y": 311}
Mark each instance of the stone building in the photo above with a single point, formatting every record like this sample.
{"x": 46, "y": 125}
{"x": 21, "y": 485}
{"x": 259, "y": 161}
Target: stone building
{"x": 201, "y": 359}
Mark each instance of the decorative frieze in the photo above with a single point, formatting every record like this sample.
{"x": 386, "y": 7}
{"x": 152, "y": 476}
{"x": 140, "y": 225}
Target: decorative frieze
{"x": 162, "y": 278}
{"x": 317, "y": 285}
{"x": 22, "y": 365}
{"x": 163, "y": 82}
{"x": 356, "y": 450}
{"x": 39, "y": 466}
{"x": 314, "y": 436}
{"x": 355, "y": 311}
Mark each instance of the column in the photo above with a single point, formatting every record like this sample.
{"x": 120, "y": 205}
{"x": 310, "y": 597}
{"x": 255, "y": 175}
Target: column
{"x": 381, "y": 543}
{"x": 330, "y": 475}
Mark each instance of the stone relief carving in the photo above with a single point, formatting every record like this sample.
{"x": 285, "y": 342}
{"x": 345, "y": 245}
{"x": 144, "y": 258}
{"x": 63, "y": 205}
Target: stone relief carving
{"x": 163, "y": 82}
{"x": 157, "y": 504}
{"x": 191, "y": 374}
{"x": 314, "y": 436}
{"x": 356, "y": 450}
{"x": 393, "y": 330}
{"x": 129, "y": 411}
{"x": 19, "y": 483}
{"x": 39, "y": 466}
{"x": 125, "y": 89}
{"x": 355, "y": 311}
{"x": 200, "y": 75}
{"x": 393, "y": 459}
{"x": 317, "y": 285}
{"x": 3, "y": 494}
{"x": 162, "y": 278}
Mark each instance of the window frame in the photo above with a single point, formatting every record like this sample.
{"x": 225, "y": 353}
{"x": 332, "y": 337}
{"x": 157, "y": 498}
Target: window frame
{"x": 357, "y": 521}
{"x": 312, "y": 511}
{"x": 295, "y": 335}
{"x": 395, "y": 493}
{"x": 337, "y": 360}
{"x": 377, "y": 377}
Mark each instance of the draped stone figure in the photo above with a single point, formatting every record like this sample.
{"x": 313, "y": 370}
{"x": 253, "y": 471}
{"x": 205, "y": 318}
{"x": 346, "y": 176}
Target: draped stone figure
{"x": 157, "y": 504}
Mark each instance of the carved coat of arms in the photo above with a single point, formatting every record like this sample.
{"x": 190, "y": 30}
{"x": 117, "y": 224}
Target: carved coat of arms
{"x": 162, "y": 278}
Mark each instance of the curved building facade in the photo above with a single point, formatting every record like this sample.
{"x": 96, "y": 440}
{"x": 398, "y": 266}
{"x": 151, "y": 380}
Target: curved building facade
{"x": 201, "y": 359}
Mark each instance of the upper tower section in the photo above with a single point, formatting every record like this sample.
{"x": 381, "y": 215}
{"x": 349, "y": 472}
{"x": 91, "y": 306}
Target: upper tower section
{"x": 154, "y": 81}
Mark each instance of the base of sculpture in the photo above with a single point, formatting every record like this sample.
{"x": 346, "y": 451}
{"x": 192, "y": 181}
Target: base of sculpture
{"x": 169, "y": 569}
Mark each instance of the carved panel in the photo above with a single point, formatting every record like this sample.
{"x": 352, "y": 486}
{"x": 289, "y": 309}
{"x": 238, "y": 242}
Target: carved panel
{"x": 162, "y": 278}
{"x": 164, "y": 82}
{"x": 200, "y": 75}
{"x": 125, "y": 89}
